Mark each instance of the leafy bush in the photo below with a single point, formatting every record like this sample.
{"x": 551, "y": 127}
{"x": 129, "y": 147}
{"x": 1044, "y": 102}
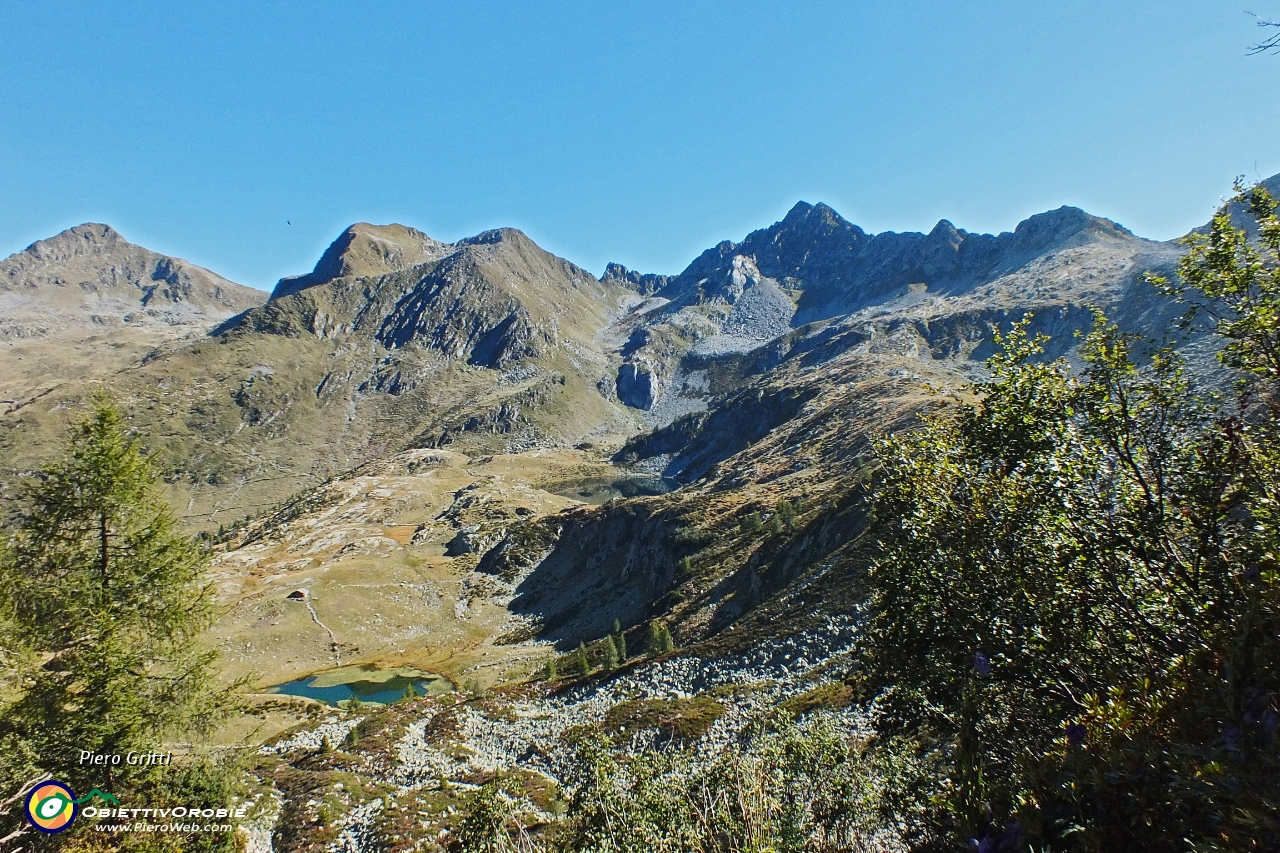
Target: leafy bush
{"x": 795, "y": 788}
{"x": 1076, "y": 608}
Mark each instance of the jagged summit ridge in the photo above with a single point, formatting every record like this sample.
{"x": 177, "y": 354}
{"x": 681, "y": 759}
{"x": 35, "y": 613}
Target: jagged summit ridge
{"x": 815, "y": 266}
{"x": 644, "y": 284}
{"x": 840, "y": 267}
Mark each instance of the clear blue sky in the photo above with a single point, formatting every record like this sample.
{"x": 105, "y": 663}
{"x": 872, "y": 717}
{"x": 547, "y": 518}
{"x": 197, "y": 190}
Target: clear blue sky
{"x": 635, "y": 132}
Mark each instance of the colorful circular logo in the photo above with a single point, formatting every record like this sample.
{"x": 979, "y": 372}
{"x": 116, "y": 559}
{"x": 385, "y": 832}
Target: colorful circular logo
{"x": 51, "y": 807}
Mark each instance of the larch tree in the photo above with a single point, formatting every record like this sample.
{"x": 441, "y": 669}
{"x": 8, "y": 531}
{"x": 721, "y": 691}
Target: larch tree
{"x": 103, "y": 601}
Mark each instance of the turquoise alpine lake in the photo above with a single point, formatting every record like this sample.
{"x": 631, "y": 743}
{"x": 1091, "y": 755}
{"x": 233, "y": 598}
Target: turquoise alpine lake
{"x": 365, "y": 682}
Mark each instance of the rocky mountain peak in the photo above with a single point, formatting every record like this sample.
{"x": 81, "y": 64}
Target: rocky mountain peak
{"x": 489, "y": 300}
{"x": 1057, "y": 226}
{"x": 87, "y": 302}
{"x": 92, "y": 268}
{"x": 644, "y": 284}
{"x": 88, "y": 239}
{"x": 367, "y": 250}
{"x": 946, "y": 233}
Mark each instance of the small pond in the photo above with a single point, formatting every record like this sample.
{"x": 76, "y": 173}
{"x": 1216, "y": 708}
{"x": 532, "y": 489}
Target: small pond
{"x": 598, "y": 490}
{"x": 365, "y": 682}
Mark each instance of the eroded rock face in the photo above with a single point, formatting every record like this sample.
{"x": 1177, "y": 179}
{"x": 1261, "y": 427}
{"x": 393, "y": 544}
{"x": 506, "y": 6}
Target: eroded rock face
{"x": 640, "y": 383}
{"x": 645, "y": 284}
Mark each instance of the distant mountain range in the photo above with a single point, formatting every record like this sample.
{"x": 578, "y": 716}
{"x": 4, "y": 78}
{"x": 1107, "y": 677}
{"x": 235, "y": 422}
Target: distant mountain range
{"x": 398, "y": 340}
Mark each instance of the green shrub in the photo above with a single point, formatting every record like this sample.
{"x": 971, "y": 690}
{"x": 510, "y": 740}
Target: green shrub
{"x": 1075, "y": 618}
{"x": 683, "y": 719}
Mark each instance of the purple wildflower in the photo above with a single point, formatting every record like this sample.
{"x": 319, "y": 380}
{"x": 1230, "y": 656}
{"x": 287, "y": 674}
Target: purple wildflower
{"x": 982, "y": 664}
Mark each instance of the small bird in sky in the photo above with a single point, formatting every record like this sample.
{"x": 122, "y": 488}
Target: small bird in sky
{"x": 287, "y": 222}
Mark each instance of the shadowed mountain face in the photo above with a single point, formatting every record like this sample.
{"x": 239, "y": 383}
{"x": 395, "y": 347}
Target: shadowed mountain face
{"x": 839, "y": 268}
{"x": 814, "y": 267}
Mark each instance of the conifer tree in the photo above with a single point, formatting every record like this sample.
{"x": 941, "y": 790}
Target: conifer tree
{"x": 668, "y": 644}
{"x": 99, "y": 587}
{"x": 786, "y": 511}
{"x": 619, "y": 641}
{"x": 653, "y": 640}
{"x": 610, "y": 653}
{"x": 584, "y": 663}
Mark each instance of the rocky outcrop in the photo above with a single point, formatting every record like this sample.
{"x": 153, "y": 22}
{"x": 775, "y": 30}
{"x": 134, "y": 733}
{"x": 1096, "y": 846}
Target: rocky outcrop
{"x": 645, "y": 284}
{"x": 641, "y": 382}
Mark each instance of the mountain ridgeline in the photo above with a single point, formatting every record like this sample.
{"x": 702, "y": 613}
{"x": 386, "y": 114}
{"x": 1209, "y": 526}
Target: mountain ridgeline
{"x": 397, "y": 340}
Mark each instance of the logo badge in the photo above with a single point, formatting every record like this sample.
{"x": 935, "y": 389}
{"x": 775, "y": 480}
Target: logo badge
{"x": 51, "y": 807}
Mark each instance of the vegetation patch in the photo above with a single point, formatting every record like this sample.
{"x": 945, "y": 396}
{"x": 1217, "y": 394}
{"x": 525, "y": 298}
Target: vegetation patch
{"x": 829, "y": 697}
{"x": 682, "y": 719}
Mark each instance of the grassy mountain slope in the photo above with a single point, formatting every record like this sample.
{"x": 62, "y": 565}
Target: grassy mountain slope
{"x": 87, "y": 302}
{"x": 494, "y": 345}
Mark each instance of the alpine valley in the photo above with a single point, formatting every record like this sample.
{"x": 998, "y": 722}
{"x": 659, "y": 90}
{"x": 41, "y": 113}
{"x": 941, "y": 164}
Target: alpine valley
{"x": 453, "y": 464}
